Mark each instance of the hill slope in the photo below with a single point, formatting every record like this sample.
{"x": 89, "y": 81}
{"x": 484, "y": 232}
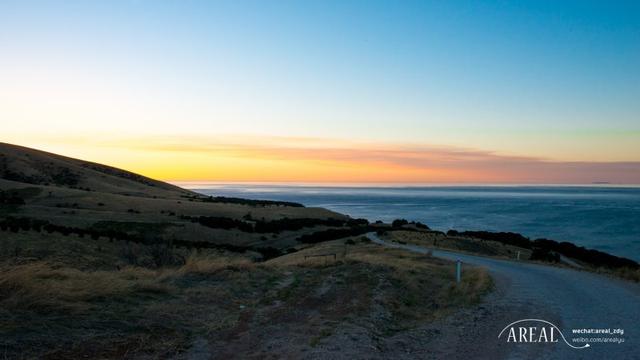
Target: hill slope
{"x": 26, "y": 165}
{"x": 39, "y": 188}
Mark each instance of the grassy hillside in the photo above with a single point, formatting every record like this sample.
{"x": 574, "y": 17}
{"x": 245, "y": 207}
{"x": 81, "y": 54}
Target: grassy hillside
{"x": 97, "y": 262}
{"x": 35, "y": 167}
{"x": 40, "y": 186}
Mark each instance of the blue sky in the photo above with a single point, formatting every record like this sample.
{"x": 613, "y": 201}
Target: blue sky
{"x": 553, "y": 80}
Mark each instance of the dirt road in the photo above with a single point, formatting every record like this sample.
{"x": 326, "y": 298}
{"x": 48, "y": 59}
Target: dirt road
{"x": 570, "y": 299}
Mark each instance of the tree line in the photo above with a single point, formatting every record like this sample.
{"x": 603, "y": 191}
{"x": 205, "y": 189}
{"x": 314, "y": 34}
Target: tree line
{"x": 250, "y": 202}
{"x": 274, "y": 226}
{"x": 17, "y": 224}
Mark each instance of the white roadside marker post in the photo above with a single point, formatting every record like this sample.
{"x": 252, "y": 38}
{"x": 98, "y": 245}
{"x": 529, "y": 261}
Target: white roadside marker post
{"x": 518, "y": 258}
{"x": 458, "y": 271}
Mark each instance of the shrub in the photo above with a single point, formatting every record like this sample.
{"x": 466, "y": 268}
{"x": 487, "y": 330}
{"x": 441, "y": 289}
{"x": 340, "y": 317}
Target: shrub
{"x": 544, "y": 255}
{"x": 130, "y": 254}
{"x": 263, "y": 203}
{"x": 399, "y": 223}
{"x": 7, "y": 198}
{"x": 331, "y": 234}
{"x": 164, "y": 254}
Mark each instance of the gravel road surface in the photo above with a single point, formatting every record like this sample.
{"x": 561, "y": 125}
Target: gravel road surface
{"x": 570, "y": 299}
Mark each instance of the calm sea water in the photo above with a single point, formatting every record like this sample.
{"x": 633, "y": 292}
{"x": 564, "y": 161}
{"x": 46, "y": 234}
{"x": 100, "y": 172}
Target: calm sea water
{"x": 603, "y": 218}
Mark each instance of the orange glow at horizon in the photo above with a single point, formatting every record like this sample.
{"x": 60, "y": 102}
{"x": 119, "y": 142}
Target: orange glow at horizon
{"x": 309, "y": 160}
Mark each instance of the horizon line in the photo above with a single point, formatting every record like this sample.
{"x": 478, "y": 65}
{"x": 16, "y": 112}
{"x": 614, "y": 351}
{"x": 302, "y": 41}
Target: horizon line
{"x": 198, "y": 184}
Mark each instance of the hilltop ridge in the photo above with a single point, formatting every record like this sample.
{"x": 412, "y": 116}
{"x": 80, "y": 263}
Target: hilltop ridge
{"x": 36, "y": 167}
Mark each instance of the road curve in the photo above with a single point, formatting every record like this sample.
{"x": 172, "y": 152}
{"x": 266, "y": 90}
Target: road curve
{"x": 570, "y": 299}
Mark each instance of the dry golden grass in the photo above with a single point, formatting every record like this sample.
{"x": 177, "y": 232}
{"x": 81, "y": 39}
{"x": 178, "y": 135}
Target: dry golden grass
{"x": 38, "y": 285}
{"x": 71, "y": 311}
{"x": 422, "y": 288}
{"x": 198, "y": 263}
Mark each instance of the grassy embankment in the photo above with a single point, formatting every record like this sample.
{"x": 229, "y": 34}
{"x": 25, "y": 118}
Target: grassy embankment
{"x": 62, "y": 297}
{"x": 585, "y": 259}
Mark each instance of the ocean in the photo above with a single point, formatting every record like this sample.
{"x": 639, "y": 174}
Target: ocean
{"x": 600, "y": 217}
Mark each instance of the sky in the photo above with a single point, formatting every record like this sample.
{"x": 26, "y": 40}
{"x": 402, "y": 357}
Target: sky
{"x": 329, "y": 91}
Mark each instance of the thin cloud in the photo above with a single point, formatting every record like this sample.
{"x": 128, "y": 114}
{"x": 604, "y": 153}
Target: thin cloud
{"x": 345, "y": 160}
{"x": 483, "y": 165}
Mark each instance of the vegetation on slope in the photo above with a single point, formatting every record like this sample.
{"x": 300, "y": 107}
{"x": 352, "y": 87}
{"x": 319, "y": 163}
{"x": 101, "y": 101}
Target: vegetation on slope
{"x": 68, "y": 297}
{"x": 546, "y": 249}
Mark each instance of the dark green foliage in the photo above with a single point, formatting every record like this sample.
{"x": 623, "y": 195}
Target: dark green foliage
{"x": 355, "y": 222}
{"x": 7, "y": 198}
{"x": 210, "y": 245}
{"x": 64, "y": 176}
{"x": 119, "y": 173}
{"x": 274, "y": 226}
{"x": 147, "y": 231}
{"x": 217, "y": 222}
{"x": 365, "y": 240}
{"x": 399, "y": 223}
{"x": 50, "y": 173}
{"x": 163, "y": 254}
{"x": 130, "y": 232}
{"x": 68, "y": 205}
{"x": 544, "y": 255}
{"x": 332, "y": 234}
{"x": 268, "y": 252}
{"x": 233, "y": 200}
{"x": 509, "y": 238}
{"x": 17, "y": 197}
{"x": 594, "y": 257}
{"x": 543, "y": 247}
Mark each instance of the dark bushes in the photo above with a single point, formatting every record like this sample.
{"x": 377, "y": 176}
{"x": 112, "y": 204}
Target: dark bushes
{"x": 399, "y": 223}
{"x": 49, "y": 173}
{"x": 221, "y": 223}
{"x": 590, "y": 256}
{"x": 16, "y": 224}
{"x": 269, "y": 252}
{"x": 233, "y": 200}
{"x": 332, "y": 234}
{"x": 544, "y": 255}
{"x": 274, "y": 226}
{"x": 7, "y": 198}
{"x": 549, "y": 249}
{"x": 285, "y": 224}
{"x": 119, "y": 173}
{"x": 163, "y": 254}
{"x": 508, "y": 238}
{"x": 160, "y": 250}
